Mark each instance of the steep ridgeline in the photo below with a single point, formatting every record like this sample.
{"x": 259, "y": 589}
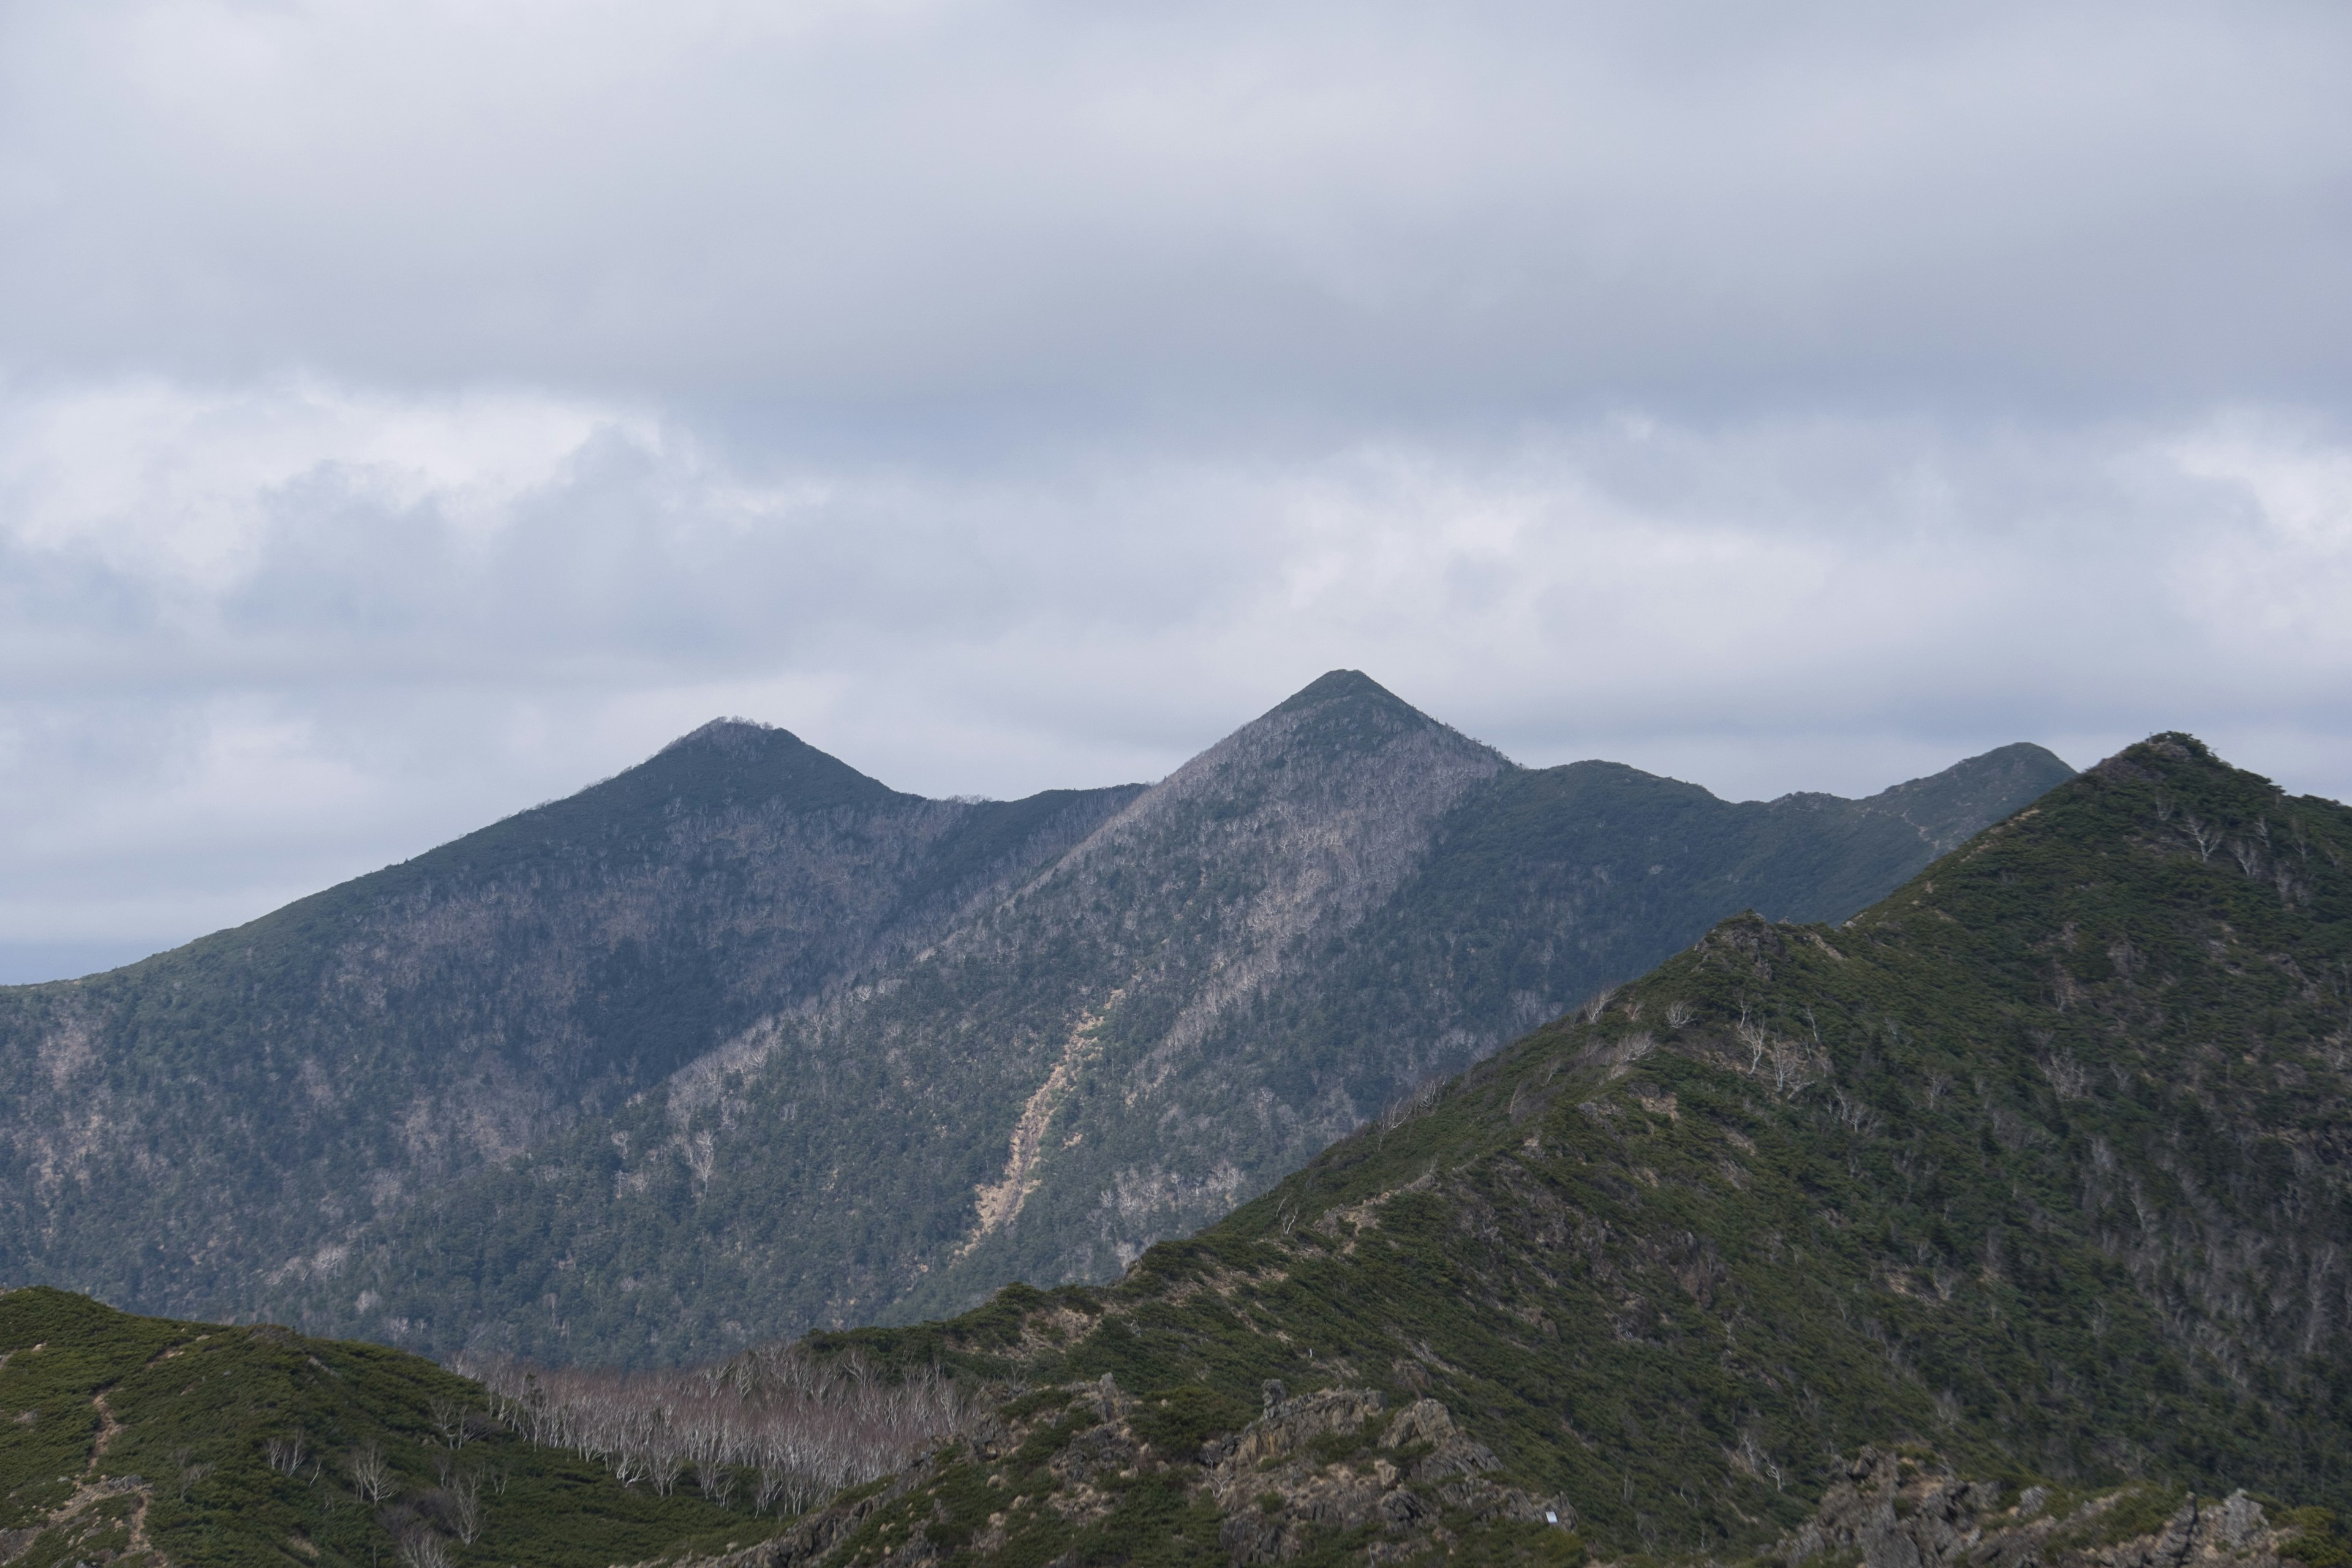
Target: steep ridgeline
{"x": 173, "y": 1132}
{"x": 2040, "y": 1168}
{"x": 1340, "y": 900}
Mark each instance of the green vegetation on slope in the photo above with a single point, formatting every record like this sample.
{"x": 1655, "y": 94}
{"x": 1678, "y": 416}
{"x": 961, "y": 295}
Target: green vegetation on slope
{"x": 2039, "y": 1163}
{"x": 176, "y": 1131}
{"x": 240, "y": 1447}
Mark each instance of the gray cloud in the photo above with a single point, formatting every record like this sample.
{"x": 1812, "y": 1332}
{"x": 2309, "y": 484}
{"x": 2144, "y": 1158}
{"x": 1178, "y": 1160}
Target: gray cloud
{"x": 352, "y": 626}
{"x": 409, "y": 413}
{"x": 1313, "y": 206}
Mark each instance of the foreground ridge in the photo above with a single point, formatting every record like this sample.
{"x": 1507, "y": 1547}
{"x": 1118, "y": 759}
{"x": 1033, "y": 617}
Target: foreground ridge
{"x": 158, "y": 1443}
{"x": 1401, "y": 1498}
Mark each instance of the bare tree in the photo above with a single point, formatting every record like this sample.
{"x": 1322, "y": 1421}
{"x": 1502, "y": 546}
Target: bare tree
{"x": 420, "y": 1548}
{"x": 191, "y": 1472}
{"x": 1754, "y": 1037}
{"x": 1794, "y": 1069}
{"x": 806, "y": 1426}
{"x": 1855, "y": 1114}
{"x": 465, "y": 1494}
{"x": 371, "y": 1474}
{"x": 1758, "y": 1463}
{"x": 2068, "y": 1078}
{"x": 1407, "y": 1106}
{"x": 285, "y": 1454}
{"x": 458, "y": 1422}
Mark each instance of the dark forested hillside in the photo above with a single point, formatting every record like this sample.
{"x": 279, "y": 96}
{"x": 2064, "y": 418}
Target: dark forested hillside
{"x": 742, "y": 1042}
{"x": 174, "y": 1130}
{"x": 1342, "y": 899}
{"x": 2040, "y": 1169}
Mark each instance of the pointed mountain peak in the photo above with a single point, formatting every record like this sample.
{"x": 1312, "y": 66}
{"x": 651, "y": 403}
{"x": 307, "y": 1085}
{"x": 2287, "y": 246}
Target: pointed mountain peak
{"x": 1345, "y": 738}
{"x": 739, "y": 762}
{"x": 2188, "y": 776}
{"x": 731, "y": 734}
{"x": 1348, "y": 713}
{"x": 1341, "y": 686}
{"x": 2162, "y": 753}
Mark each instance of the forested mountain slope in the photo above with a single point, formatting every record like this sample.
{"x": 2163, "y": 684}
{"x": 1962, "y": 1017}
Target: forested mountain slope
{"x": 742, "y": 1041}
{"x": 2040, "y": 1169}
{"x": 173, "y": 1131}
{"x": 1340, "y": 900}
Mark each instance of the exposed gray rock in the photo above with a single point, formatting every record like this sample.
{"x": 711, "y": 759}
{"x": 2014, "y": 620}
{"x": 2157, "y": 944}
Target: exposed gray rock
{"x": 1902, "y": 1511}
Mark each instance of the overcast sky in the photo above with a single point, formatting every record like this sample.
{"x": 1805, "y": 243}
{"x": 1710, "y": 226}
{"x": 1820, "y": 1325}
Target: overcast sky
{"x": 411, "y": 411}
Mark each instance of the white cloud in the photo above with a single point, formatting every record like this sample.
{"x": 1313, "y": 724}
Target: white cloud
{"x": 162, "y": 484}
{"x": 408, "y": 412}
{"x": 305, "y": 629}
{"x": 2272, "y": 576}
{"x": 1302, "y": 206}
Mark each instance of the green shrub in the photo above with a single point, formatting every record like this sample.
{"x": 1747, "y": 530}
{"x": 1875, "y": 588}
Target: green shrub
{"x": 1176, "y": 1421}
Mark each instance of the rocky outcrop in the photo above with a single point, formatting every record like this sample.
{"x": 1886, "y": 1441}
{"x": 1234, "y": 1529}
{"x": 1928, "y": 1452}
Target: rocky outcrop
{"x": 1900, "y": 1510}
{"x": 1057, "y": 1466}
{"x": 1277, "y": 1490}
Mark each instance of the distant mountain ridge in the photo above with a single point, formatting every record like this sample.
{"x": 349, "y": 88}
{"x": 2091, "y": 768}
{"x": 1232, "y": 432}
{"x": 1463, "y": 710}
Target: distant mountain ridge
{"x": 330, "y": 1060}
{"x": 742, "y": 1041}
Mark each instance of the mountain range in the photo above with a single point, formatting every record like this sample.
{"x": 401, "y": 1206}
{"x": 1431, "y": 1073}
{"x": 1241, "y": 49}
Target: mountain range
{"x": 2002, "y": 1225}
{"x": 741, "y": 1042}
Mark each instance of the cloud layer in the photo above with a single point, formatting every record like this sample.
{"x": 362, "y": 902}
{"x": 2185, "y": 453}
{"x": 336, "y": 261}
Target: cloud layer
{"x": 1337, "y": 208}
{"x": 408, "y": 412}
